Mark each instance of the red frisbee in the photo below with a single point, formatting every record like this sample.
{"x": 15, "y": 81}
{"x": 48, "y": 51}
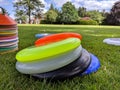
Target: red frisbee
{"x": 56, "y": 37}
{"x": 8, "y": 37}
{"x": 6, "y": 20}
{"x": 8, "y": 26}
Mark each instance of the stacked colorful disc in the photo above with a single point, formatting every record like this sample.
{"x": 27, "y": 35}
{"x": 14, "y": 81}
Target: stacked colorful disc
{"x": 8, "y": 34}
{"x": 55, "y": 56}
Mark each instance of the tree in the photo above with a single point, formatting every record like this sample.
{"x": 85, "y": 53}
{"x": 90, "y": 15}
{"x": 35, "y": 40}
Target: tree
{"x": 51, "y": 7}
{"x": 28, "y": 6}
{"x": 20, "y": 16}
{"x": 69, "y": 13}
{"x": 4, "y": 11}
{"x": 51, "y": 16}
{"x": 38, "y": 15}
{"x": 113, "y": 18}
{"x": 82, "y": 12}
{"x": 95, "y": 15}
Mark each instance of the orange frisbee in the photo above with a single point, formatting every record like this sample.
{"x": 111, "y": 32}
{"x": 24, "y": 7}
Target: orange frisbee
{"x": 56, "y": 37}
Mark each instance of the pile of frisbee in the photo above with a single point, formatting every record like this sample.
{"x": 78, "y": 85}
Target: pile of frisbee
{"x": 8, "y": 34}
{"x": 57, "y": 56}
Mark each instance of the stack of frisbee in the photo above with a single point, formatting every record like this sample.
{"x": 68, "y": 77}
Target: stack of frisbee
{"x": 8, "y": 34}
{"x": 57, "y": 56}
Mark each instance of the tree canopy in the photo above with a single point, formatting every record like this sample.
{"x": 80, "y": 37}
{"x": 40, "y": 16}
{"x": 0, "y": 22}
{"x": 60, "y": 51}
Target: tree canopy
{"x": 96, "y": 15}
{"x": 51, "y": 16}
{"x": 82, "y": 12}
{"x": 113, "y": 18}
{"x": 51, "y": 7}
{"x": 20, "y": 16}
{"x": 28, "y": 7}
{"x": 69, "y": 13}
{"x": 3, "y": 11}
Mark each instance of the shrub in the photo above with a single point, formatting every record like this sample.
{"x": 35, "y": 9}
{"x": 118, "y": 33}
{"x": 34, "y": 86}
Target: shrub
{"x": 43, "y": 22}
{"x": 87, "y": 22}
{"x": 51, "y": 16}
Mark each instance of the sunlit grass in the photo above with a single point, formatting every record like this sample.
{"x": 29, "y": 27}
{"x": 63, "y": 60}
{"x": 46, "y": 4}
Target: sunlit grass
{"x": 62, "y": 25}
{"x": 107, "y": 77}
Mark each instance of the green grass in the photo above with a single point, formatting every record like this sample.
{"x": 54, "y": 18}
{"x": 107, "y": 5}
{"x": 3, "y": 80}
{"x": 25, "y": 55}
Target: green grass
{"x": 107, "y": 77}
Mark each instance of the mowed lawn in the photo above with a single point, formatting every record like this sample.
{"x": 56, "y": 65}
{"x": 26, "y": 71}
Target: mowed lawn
{"x": 107, "y": 77}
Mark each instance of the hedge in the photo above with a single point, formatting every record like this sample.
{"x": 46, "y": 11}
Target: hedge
{"x": 80, "y": 22}
{"x": 87, "y": 22}
{"x": 43, "y": 22}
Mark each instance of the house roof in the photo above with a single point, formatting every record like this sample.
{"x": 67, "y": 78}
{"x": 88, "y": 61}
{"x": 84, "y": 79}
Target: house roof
{"x": 86, "y": 18}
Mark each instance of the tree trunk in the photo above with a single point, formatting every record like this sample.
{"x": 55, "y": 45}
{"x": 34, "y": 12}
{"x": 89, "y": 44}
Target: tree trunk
{"x": 29, "y": 15}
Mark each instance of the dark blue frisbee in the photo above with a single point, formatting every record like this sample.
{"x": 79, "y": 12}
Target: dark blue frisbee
{"x": 42, "y": 35}
{"x": 93, "y": 67}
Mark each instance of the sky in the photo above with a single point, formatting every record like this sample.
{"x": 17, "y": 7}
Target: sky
{"x": 89, "y": 4}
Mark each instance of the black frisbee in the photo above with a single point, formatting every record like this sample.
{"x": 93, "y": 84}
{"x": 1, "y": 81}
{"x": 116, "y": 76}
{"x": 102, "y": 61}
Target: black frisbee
{"x": 78, "y": 66}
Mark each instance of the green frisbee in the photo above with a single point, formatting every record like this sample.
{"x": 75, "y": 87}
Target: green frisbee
{"x": 39, "y": 53}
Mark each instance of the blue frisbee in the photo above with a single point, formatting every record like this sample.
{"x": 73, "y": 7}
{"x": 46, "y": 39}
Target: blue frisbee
{"x": 93, "y": 67}
{"x": 42, "y": 35}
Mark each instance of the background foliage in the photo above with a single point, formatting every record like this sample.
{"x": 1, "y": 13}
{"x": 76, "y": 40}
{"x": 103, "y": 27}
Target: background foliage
{"x": 68, "y": 14}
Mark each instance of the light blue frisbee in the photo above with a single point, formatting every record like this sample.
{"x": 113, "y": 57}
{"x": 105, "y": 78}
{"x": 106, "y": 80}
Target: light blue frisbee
{"x": 42, "y": 35}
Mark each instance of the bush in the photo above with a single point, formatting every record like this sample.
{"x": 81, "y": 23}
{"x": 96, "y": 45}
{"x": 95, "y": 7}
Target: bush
{"x": 87, "y": 22}
{"x": 43, "y": 22}
{"x": 80, "y": 22}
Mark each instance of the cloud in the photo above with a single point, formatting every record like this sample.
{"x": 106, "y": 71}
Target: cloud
{"x": 89, "y": 4}
{"x": 47, "y": 5}
{"x": 78, "y": 3}
{"x": 3, "y": 2}
{"x": 99, "y": 5}
{"x": 95, "y": 4}
{"x": 15, "y": 1}
{"x": 59, "y": 3}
